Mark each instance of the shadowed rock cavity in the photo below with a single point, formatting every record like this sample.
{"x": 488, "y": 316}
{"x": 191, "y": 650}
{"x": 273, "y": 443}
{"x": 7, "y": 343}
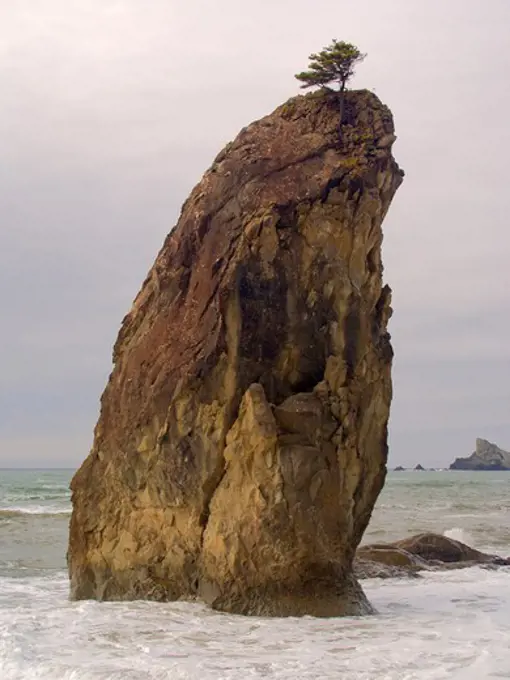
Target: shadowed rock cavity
{"x": 241, "y": 443}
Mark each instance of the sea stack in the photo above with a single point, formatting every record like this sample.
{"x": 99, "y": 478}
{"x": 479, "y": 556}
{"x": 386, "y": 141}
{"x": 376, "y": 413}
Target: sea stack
{"x": 486, "y": 457}
{"x": 242, "y": 439}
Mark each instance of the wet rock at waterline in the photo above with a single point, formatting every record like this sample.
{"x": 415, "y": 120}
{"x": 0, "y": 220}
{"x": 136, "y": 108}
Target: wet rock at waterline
{"x": 423, "y": 552}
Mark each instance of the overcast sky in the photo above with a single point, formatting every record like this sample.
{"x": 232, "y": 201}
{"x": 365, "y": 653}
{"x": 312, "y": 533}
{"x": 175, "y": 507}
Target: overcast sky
{"x": 112, "y": 109}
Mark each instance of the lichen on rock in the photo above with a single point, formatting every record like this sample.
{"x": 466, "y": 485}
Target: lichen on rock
{"x": 242, "y": 439}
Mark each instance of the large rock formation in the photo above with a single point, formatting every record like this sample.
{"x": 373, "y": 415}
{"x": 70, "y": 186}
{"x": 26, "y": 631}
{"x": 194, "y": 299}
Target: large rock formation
{"x": 242, "y": 438}
{"x": 486, "y": 456}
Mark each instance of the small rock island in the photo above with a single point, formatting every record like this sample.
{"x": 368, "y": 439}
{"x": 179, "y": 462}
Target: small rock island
{"x": 486, "y": 456}
{"x": 242, "y": 439}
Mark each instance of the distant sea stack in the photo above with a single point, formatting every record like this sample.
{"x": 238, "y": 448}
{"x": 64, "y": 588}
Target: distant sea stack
{"x": 242, "y": 439}
{"x": 486, "y": 456}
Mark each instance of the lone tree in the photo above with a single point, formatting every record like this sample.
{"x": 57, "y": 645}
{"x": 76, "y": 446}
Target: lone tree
{"x": 335, "y": 64}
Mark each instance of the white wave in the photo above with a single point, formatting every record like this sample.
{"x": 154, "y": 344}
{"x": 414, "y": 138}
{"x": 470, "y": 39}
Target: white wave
{"x": 447, "y": 625}
{"x": 35, "y": 510}
{"x": 459, "y": 534}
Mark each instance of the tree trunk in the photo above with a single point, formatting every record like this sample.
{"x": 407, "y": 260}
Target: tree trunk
{"x": 341, "y": 106}
{"x": 341, "y": 101}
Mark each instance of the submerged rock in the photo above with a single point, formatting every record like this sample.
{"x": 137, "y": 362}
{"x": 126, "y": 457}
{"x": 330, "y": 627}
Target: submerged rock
{"x": 374, "y": 569}
{"x": 242, "y": 440}
{"x": 427, "y": 551}
{"x": 486, "y": 456}
{"x": 385, "y": 561}
{"x": 439, "y": 548}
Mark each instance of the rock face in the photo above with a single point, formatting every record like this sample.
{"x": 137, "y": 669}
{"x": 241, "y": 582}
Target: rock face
{"x": 241, "y": 443}
{"x": 487, "y": 456}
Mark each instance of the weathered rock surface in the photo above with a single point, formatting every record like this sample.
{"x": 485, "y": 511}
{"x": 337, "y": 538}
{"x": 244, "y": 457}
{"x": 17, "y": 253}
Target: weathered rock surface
{"x": 241, "y": 443}
{"x": 486, "y": 456}
{"x": 385, "y": 561}
{"x": 423, "y": 552}
{"x": 439, "y": 548}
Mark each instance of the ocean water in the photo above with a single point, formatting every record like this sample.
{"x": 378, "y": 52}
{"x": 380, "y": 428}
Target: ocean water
{"x": 445, "y": 625}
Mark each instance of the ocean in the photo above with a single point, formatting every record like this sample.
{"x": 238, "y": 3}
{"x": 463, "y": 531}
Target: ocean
{"x": 452, "y": 624}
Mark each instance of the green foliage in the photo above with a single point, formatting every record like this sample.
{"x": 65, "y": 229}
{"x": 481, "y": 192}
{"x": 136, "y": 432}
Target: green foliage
{"x": 335, "y": 64}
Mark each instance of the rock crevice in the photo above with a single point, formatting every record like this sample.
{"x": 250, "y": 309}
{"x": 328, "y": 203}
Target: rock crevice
{"x": 241, "y": 443}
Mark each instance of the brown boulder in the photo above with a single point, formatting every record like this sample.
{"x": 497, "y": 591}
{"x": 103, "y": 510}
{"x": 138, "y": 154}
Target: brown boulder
{"x": 427, "y": 551}
{"x": 388, "y": 555}
{"x": 241, "y": 443}
{"x": 385, "y": 561}
{"x": 438, "y": 548}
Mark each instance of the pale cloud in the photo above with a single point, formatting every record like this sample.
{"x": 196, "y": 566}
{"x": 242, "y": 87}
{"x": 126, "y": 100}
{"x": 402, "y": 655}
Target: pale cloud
{"x": 111, "y": 111}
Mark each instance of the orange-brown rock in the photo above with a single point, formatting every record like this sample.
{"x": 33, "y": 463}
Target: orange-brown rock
{"x": 389, "y": 555}
{"x": 425, "y": 551}
{"x": 241, "y": 443}
{"x": 439, "y": 548}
